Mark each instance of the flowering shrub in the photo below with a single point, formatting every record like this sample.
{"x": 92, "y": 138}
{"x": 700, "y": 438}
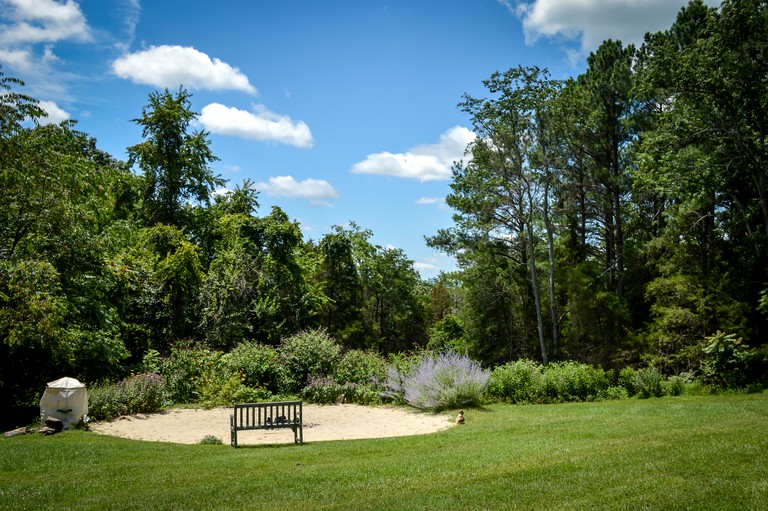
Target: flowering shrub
{"x": 140, "y": 393}
{"x": 323, "y": 390}
{"x": 437, "y": 382}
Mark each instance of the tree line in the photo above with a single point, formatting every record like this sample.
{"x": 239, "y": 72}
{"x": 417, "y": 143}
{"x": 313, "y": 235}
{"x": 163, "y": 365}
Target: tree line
{"x": 617, "y": 218}
{"x": 102, "y": 261}
{"x": 621, "y": 216}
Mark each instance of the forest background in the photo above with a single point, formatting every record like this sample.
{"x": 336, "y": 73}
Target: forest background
{"x": 618, "y": 219}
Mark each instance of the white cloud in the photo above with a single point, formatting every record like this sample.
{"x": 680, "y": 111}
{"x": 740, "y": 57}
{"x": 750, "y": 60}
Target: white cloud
{"x": 55, "y": 113}
{"x": 590, "y": 22}
{"x": 261, "y": 124}
{"x": 430, "y": 201}
{"x": 19, "y": 59}
{"x": 40, "y": 21}
{"x": 431, "y": 162}
{"x": 431, "y": 266}
{"x": 318, "y": 191}
{"x": 172, "y": 66}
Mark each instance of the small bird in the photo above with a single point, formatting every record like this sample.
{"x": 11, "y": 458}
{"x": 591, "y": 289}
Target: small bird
{"x": 460, "y": 417}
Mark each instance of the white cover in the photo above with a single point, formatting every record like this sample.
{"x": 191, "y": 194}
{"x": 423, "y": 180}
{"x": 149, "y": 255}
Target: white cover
{"x": 66, "y": 399}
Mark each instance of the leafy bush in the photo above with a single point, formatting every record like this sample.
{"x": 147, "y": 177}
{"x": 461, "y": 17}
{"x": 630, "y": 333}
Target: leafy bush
{"x": 726, "y": 360}
{"x": 676, "y": 385}
{"x": 647, "y": 383}
{"x": 525, "y": 381}
{"x": 140, "y": 393}
{"x": 441, "y": 381}
{"x": 210, "y": 440}
{"x": 305, "y": 354}
{"x": 258, "y": 365}
{"x": 573, "y": 381}
{"x": 614, "y": 392}
{"x": 362, "y": 367}
{"x": 193, "y": 373}
{"x": 516, "y": 382}
{"x": 627, "y": 380}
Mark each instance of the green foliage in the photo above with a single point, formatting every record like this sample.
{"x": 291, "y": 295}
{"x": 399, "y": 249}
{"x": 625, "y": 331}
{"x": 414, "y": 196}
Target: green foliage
{"x": 360, "y": 367}
{"x": 448, "y": 335}
{"x": 525, "y": 381}
{"x": 308, "y": 353}
{"x": 194, "y": 374}
{"x": 517, "y": 382}
{"x": 647, "y": 382}
{"x": 572, "y": 381}
{"x": 210, "y": 440}
{"x": 258, "y": 365}
{"x": 139, "y": 393}
{"x": 726, "y": 360}
{"x": 626, "y": 380}
{"x": 174, "y": 162}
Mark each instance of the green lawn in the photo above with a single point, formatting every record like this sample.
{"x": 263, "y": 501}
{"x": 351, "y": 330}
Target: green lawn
{"x": 673, "y": 453}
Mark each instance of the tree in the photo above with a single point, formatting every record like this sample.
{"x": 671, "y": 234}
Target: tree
{"x": 502, "y": 195}
{"x": 173, "y": 161}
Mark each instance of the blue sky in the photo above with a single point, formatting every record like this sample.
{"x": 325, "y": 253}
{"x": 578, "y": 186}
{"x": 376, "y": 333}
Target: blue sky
{"x": 339, "y": 110}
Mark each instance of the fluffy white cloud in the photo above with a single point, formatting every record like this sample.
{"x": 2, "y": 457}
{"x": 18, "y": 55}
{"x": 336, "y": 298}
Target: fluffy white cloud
{"x": 592, "y": 21}
{"x": 318, "y": 191}
{"x": 40, "y": 21}
{"x": 171, "y": 66}
{"x": 55, "y": 113}
{"x": 19, "y": 59}
{"x": 431, "y": 162}
{"x": 261, "y": 124}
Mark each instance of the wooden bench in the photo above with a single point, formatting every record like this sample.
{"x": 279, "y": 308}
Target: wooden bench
{"x": 281, "y": 415}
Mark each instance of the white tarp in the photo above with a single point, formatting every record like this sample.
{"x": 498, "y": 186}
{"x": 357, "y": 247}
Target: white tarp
{"x": 66, "y": 399}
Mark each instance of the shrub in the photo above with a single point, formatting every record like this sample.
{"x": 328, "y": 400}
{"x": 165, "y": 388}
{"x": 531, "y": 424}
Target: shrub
{"x": 516, "y": 382}
{"x": 647, "y": 383}
{"x": 308, "y": 353}
{"x": 627, "y": 380}
{"x": 194, "y": 374}
{"x": 323, "y": 390}
{"x": 210, "y": 440}
{"x": 258, "y": 365}
{"x": 675, "y": 385}
{"x": 236, "y": 391}
{"x": 726, "y": 360}
{"x": 441, "y": 381}
{"x": 140, "y": 393}
{"x": 362, "y": 367}
{"x": 614, "y": 392}
{"x": 573, "y": 381}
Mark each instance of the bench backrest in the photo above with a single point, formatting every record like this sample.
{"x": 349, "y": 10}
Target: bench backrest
{"x": 284, "y": 414}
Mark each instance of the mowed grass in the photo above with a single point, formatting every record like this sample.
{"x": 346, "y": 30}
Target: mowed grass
{"x": 706, "y": 452}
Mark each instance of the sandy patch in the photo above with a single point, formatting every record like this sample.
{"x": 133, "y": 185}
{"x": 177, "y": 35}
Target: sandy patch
{"x": 332, "y": 422}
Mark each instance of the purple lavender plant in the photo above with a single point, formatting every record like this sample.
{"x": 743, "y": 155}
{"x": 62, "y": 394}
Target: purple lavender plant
{"x": 438, "y": 382}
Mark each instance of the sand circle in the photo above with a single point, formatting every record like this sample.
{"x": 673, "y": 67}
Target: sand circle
{"x": 321, "y": 422}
